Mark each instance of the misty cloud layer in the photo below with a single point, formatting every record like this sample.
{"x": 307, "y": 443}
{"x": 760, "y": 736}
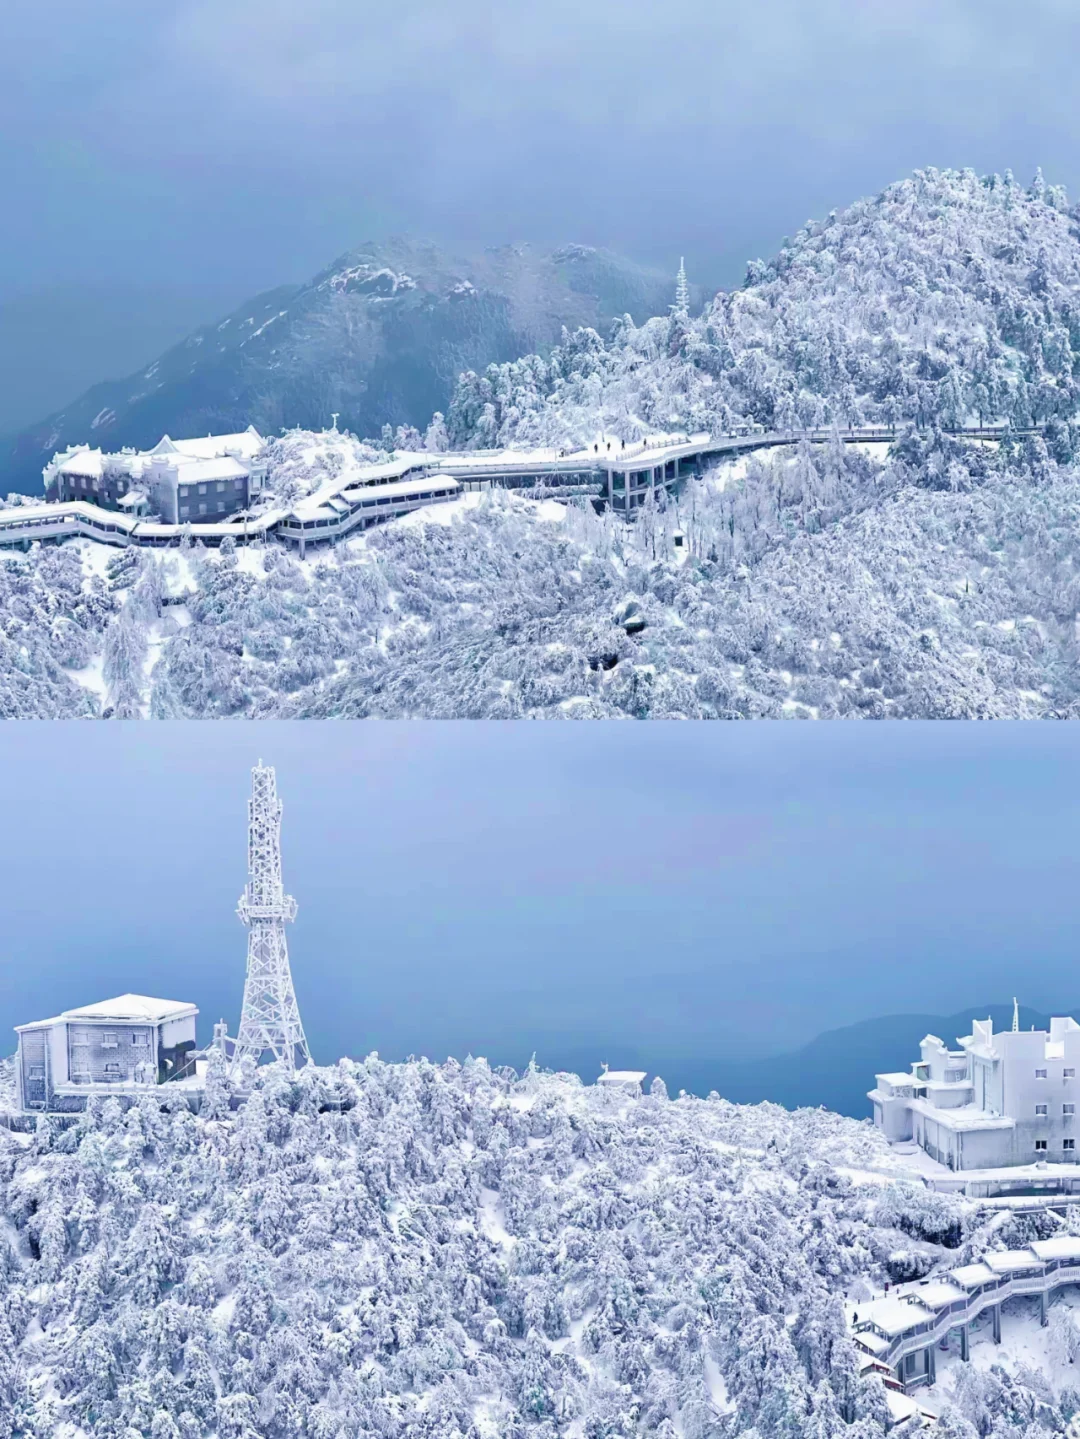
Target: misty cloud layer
{"x": 245, "y": 142}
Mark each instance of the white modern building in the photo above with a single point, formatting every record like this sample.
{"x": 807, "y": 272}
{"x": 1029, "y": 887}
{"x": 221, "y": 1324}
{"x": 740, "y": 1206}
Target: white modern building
{"x": 999, "y": 1100}
{"x": 120, "y": 1046}
{"x": 180, "y": 481}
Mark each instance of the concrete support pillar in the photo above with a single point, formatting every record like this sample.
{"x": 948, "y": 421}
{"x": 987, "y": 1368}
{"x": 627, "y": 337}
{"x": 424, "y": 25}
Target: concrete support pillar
{"x": 965, "y": 1341}
{"x": 996, "y": 1316}
{"x": 931, "y": 1364}
{"x": 1042, "y": 1310}
{"x": 303, "y": 547}
{"x": 610, "y": 491}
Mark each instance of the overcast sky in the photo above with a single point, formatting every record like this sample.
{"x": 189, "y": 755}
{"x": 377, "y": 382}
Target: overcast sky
{"x": 250, "y": 140}
{"x": 205, "y": 149}
{"x": 590, "y": 892}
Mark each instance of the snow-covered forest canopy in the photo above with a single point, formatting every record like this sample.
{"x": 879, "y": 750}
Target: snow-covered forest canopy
{"x": 422, "y": 1251}
{"x": 946, "y": 299}
{"x": 940, "y": 581}
{"x": 931, "y": 579}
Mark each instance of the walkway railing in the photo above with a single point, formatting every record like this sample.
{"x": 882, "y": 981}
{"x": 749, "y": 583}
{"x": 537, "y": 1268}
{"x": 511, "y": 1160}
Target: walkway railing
{"x": 443, "y": 479}
{"x": 930, "y": 1323}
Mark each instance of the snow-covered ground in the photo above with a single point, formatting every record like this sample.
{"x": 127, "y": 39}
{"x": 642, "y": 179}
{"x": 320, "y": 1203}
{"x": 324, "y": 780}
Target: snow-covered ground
{"x": 442, "y": 1251}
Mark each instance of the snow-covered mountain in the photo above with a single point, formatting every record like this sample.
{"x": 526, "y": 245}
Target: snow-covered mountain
{"x": 380, "y": 337}
{"x": 939, "y": 580}
{"x": 421, "y": 1251}
{"x": 946, "y": 298}
{"x": 930, "y": 578}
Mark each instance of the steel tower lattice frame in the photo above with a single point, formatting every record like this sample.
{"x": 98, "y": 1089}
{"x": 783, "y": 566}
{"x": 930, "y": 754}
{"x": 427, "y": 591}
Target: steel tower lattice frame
{"x": 270, "y": 1019}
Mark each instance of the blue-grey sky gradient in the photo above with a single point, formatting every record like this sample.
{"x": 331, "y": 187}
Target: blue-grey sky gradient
{"x": 237, "y": 144}
{"x": 593, "y": 892}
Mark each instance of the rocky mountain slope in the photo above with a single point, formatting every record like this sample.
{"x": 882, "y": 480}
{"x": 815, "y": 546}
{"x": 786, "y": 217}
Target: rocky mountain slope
{"x": 379, "y": 337}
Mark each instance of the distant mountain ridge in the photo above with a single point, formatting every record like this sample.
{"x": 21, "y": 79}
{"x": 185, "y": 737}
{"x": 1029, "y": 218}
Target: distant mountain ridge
{"x": 379, "y": 337}
{"x": 837, "y": 1068}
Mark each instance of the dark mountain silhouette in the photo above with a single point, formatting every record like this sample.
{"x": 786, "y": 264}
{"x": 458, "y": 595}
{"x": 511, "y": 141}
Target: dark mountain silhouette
{"x": 378, "y": 337}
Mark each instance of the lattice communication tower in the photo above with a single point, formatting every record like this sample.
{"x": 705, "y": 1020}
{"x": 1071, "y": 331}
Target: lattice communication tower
{"x": 270, "y": 1020}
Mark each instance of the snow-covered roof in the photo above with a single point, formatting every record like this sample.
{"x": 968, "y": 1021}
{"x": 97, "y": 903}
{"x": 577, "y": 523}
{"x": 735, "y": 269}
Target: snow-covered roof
{"x": 247, "y": 443}
{"x": 873, "y": 1341}
{"x": 82, "y": 462}
{"x": 970, "y": 1276}
{"x": 962, "y": 1117}
{"x": 901, "y": 1406}
{"x": 192, "y": 472}
{"x": 131, "y": 499}
{"x": 355, "y": 492}
{"x": 126, "y": 1006}
{"x": 1062, "y": 1246}
{"x": 134, "y": 1008}
{"x": 622, "y": 1076}
{"x": 894, "y": 1316}
{"x": 1008, "y": 1260}
{"x": 898, "y": 1078}
{"x": 939, "y": 1292}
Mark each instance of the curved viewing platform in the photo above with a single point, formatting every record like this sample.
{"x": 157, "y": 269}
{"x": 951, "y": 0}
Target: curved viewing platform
{"x": 621, "y": 475}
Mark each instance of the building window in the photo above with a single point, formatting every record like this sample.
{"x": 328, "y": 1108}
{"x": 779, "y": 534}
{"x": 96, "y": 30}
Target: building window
{"x": 202, "y": 489}
{"x": 1068, "y": 1073}
{"x": 202, "y": 509}
{"x": 1040, "y": 1109}
{"x": 138, "y": 1038}
{"x": 185, "y": 509}
{"x": 1068, "y": 1144}
{"x": 112, "y": 1068}
{"x": 37, "y": 1071}
{"x": 220, "y": 507}
{"x": 1040, "y": 1144}
{"x": 238, "y": 484}
{"x": 1040, "y": 1074}
{"x": 109, "y": 1040}
{"x": 221, "y": 487}
{"x": 1067, "y": 1109}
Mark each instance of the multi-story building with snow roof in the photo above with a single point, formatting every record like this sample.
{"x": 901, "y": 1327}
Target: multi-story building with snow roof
{"x": 198, "y": 480}
{"x": 120, "y": 1046}
{"x": 999, "y": 1100}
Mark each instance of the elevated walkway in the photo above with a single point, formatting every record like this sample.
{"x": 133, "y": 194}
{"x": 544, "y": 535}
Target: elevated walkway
{"x": 624, "y": 476}
{"x": 901, "y": 1330}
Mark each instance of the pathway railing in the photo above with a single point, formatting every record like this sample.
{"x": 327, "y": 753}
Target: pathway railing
{"x": 443, "y": 479}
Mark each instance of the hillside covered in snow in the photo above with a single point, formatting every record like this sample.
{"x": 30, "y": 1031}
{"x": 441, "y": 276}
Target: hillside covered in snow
{"x": 933, "y": 580}
{"x": 946, "y": 299}
{"x": 421, "y": 1251}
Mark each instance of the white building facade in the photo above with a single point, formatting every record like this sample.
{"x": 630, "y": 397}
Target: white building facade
{"x": 180, "y": 481}
{"x": 120, "y": 1046}
{"x": 999, "y": 1100}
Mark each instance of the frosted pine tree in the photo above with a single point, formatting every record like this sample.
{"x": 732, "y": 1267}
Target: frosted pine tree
{"x": 124, "y": 656}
